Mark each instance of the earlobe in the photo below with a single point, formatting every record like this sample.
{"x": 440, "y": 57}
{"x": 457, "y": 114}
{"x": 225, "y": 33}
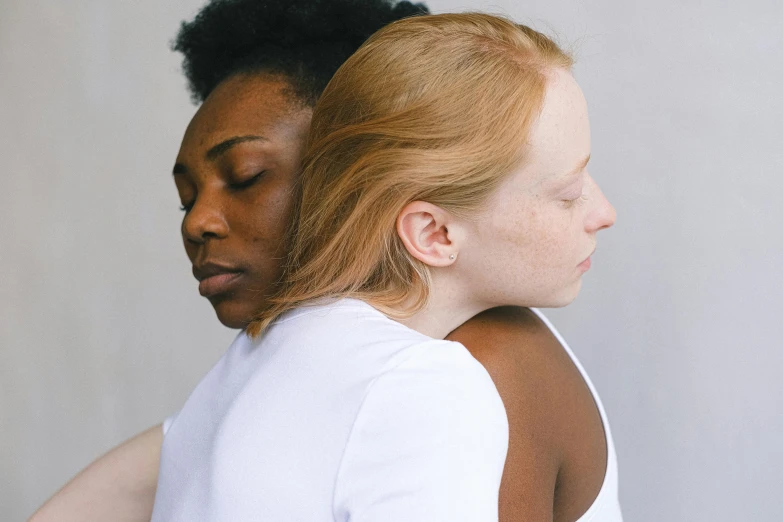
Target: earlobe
{"x": 424, "y": 229}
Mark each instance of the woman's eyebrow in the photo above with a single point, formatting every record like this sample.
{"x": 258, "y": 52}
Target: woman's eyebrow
{"x": 215, "y": 151}
{"x": 561, "y": 180}
{"x": 224, "y": 146}
{"x": 578, "y": 168}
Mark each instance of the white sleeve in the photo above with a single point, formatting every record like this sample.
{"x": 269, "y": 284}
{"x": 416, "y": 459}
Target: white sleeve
{"x": 428, "y": 444}
{"x": 168, "y": 421}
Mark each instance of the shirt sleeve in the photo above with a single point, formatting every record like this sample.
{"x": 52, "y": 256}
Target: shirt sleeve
{"x": 428, "y": 444}
{"x": 168, "y": 421}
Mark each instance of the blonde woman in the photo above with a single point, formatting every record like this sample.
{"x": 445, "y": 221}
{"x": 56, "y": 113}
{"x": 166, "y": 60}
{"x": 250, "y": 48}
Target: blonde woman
{"x": 445, "y": 174}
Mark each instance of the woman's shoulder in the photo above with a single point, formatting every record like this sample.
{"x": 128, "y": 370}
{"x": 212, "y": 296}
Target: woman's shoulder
{"x": 435, "y": 392}
{"x": 434, "y": 360}
{"x": 514, "y": 342}
{"x": 440, "y": 385}
{"x": 434, "y": 364}
{"x": 552, "y": 411}
{"x": 532, "y": 367}
{"x": 430, "y": 438}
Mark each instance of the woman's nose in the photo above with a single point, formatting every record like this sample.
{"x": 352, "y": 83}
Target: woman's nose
{"x": 603, "y": 214}
{"x": 204, "y": 220}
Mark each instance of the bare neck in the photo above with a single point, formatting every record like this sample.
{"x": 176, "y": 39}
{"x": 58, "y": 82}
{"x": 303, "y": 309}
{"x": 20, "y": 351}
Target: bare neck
{"x": 448, "y": 307}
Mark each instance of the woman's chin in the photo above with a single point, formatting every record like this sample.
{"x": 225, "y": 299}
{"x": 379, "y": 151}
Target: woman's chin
{"x": 234, "y": 314}
{"x": 559, "y": 298}
{"x": 569, "y": 294}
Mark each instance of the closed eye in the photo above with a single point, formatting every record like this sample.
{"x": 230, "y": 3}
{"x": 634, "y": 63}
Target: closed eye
{"x": 576, "y": 201}
{"x": 247, "y": 183}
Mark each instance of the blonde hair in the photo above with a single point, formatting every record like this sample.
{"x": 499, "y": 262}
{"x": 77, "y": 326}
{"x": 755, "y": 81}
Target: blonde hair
{"x": 432, "y": 108}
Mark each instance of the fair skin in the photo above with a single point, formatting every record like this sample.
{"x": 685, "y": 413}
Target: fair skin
{"x": 557, "y": 454}
{"x": 118, "y": 487}
{"x": 530, "y": 243}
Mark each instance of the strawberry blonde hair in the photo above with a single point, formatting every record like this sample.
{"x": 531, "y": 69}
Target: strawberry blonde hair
{"x": 433, "y": 108}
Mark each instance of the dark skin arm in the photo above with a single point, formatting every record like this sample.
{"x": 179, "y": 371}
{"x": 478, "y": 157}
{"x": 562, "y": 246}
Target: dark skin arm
{"x": 557, "y": 452}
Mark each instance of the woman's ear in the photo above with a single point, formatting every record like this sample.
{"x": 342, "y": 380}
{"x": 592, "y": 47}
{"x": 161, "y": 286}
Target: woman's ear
{"x": 429, "y": 233}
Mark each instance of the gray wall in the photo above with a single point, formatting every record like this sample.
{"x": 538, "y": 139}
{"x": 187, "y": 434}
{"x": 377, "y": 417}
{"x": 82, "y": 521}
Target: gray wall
{"x": 102, "y": 332}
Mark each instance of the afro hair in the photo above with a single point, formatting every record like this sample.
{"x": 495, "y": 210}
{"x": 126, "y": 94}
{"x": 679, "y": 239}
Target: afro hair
{"x": 305, "y": 41}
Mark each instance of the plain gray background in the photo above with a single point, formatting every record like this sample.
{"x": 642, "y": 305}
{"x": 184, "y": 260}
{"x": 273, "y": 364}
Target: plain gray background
{"x": 102, "y": 331}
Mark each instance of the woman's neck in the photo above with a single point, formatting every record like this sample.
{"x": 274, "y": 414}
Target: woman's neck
{"x": 447, "y": 307}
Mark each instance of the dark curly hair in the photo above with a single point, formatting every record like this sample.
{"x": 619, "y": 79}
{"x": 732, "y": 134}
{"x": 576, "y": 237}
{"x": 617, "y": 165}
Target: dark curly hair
{"x": 305, "y": 41}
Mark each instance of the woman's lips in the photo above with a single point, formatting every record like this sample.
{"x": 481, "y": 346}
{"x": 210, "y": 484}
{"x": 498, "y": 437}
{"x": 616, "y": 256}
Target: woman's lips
{"x": 218, "y": 283}
{"x": 584, "y": 265}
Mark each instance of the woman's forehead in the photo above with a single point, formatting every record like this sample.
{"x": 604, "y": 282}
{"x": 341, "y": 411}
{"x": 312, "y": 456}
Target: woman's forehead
{"x": 247, "y": 105}
{"x": 559, "y": 140}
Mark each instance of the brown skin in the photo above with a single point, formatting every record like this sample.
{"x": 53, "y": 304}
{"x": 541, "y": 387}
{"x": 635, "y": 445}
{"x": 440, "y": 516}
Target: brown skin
{"x": 237, "y": 194}
{"x": 236, "y": 223}
{"x": 556, "y": 458}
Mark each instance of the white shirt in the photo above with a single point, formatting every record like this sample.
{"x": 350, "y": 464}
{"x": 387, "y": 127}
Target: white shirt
{"x": 337, "y": 413}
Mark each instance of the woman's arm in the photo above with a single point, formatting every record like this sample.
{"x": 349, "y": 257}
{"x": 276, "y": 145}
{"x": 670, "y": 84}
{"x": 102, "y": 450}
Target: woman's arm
{"x": 119, "y": 486}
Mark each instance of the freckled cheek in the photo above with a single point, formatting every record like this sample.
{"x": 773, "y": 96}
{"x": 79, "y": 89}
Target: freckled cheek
{"x": 550, "y": 243}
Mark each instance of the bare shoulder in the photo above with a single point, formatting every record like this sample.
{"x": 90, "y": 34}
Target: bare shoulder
{"x": 519, "y": 352}
{"x": 557, "y": 452}
{"x": 490, "y": 333}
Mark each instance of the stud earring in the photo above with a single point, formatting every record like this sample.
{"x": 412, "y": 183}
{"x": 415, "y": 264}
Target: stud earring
{"x": 452, "y": 256}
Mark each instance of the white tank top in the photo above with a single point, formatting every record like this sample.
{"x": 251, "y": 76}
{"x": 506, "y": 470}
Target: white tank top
{"x": 340, "y": 414}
